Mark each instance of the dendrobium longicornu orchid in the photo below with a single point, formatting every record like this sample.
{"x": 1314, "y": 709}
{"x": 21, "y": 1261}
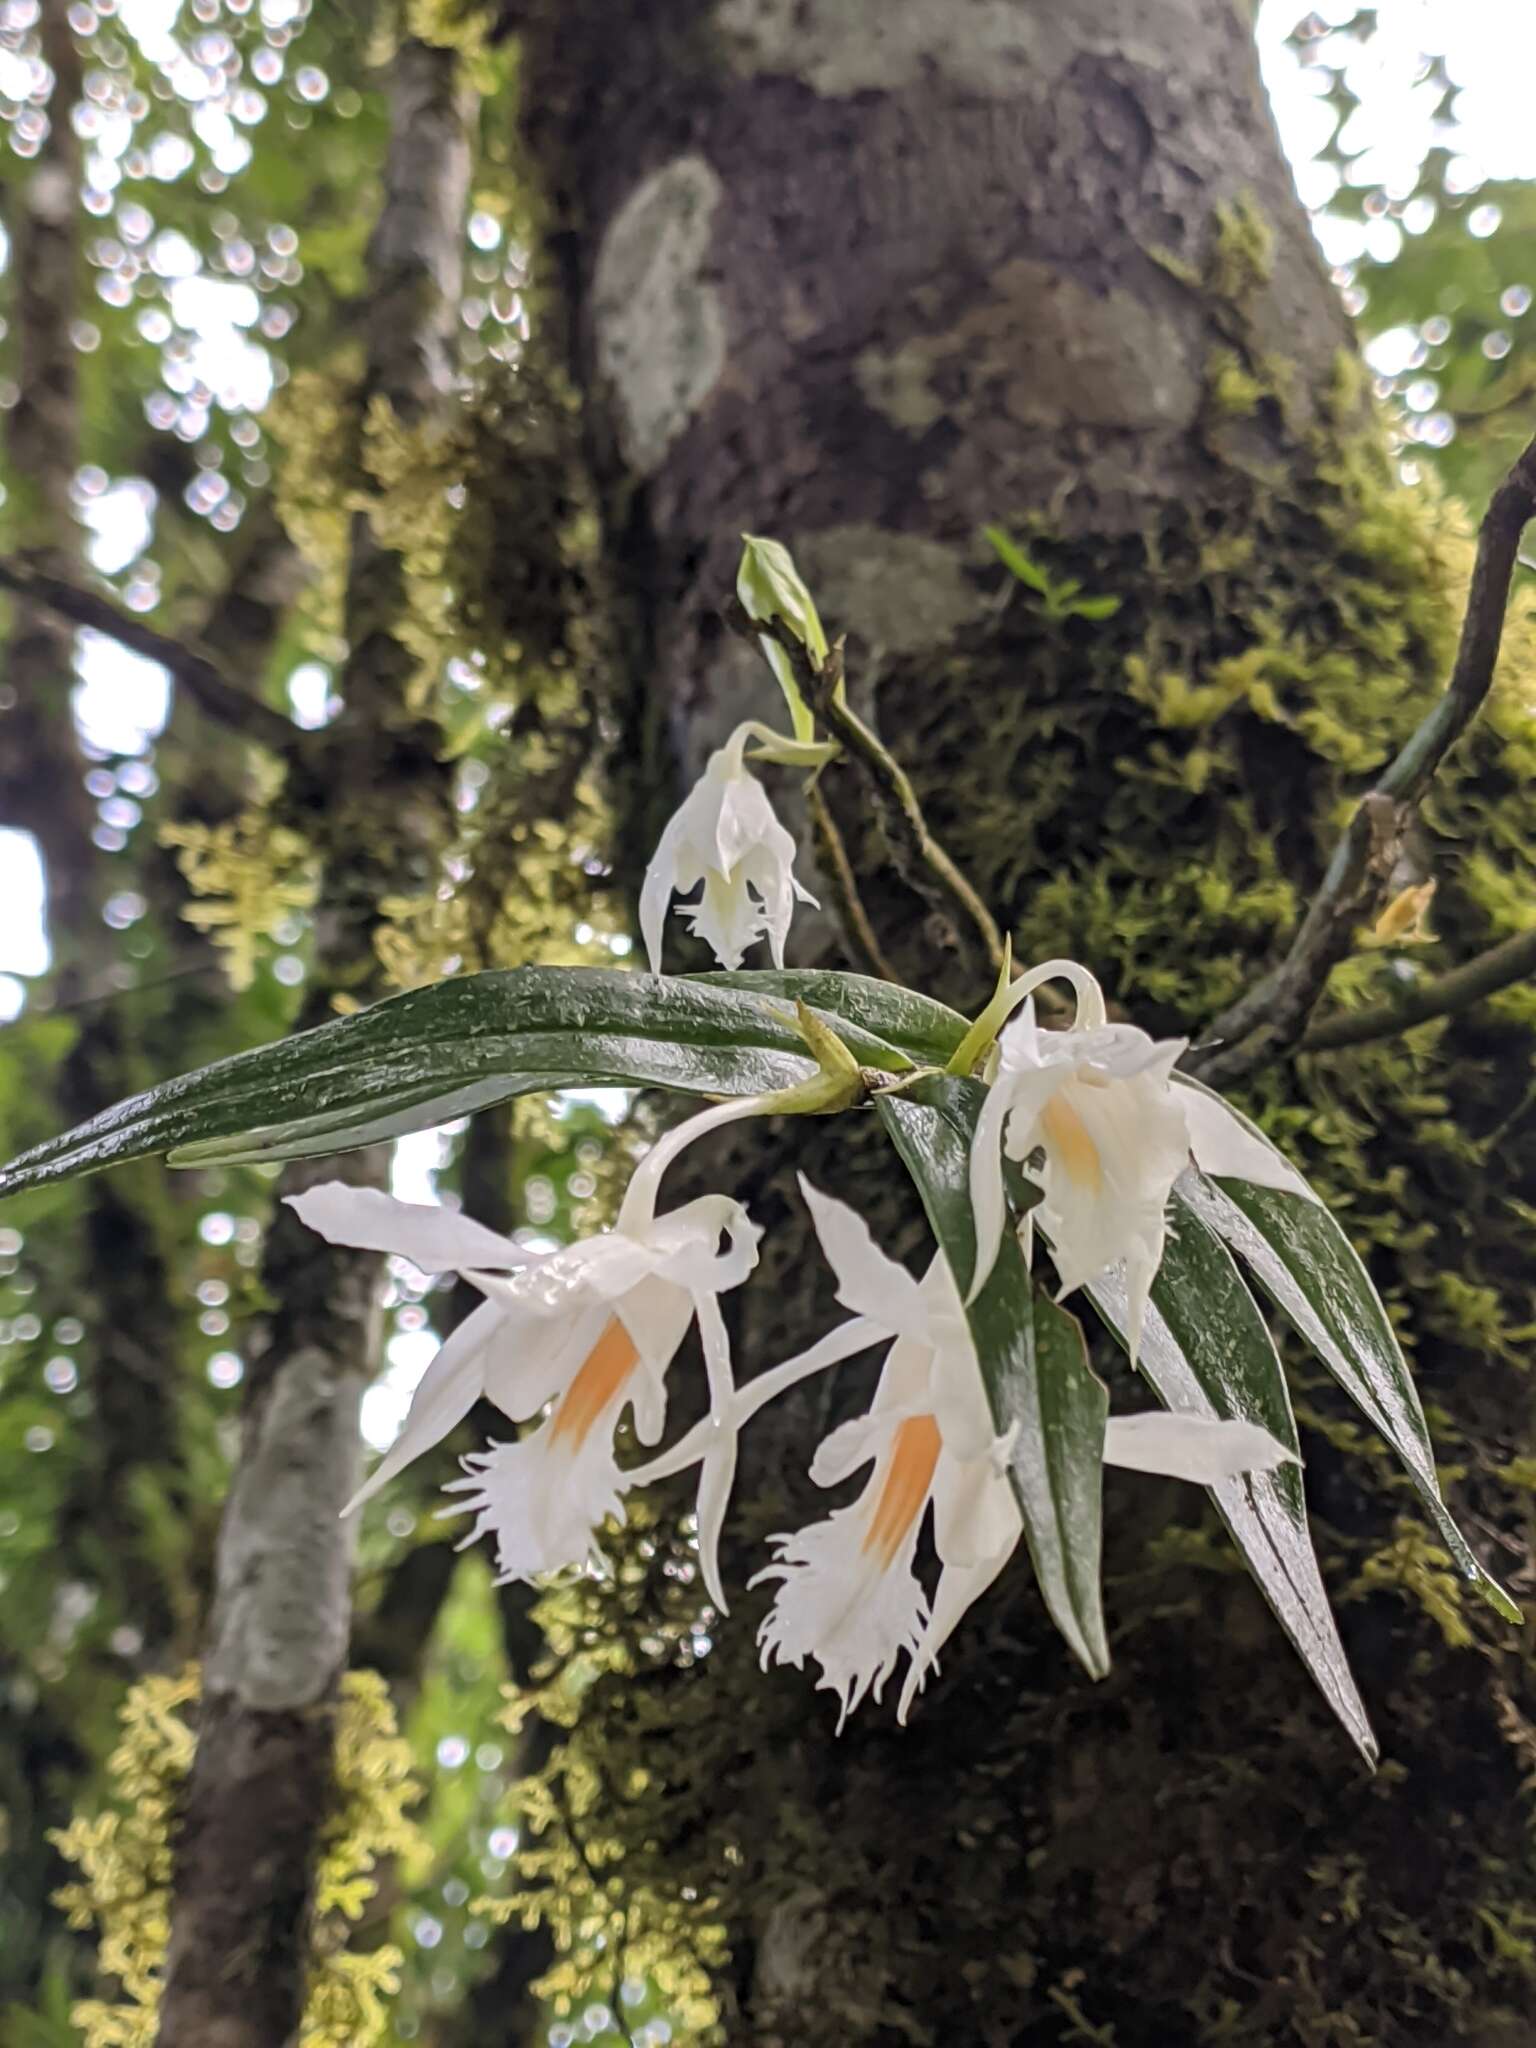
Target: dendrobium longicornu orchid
{"x": 725, "y": 836}
{"x": 586, "y": 1331}
{"x": 848, "y": 1595}
{"x": 1097, "y": 1121}
{"x": 1097, "y": 1105}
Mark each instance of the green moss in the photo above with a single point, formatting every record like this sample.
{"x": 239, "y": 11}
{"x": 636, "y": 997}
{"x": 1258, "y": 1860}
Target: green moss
{"x": 1242, "y": 258}
{"x": 1234, "y": 390}
{"x": 1414, "y": 1565}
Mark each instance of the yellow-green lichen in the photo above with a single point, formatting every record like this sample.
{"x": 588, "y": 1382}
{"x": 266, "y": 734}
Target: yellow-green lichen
{"x": 123, "y": 1854}
{"x": 597, "y": 1820}
{"x": 249, "y": 879}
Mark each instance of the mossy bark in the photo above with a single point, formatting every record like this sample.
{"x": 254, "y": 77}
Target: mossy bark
{"x": 865, "y": 278}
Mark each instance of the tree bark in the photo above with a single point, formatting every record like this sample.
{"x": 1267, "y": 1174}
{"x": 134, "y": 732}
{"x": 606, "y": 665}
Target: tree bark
{"x": 867, "y": 279}
{"x": 377, "y": 808}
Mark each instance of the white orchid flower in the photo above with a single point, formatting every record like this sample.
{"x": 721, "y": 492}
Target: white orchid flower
{"x": 725, "y": 836}
{"x": 591, "y": 1328}
{"x": 1113, "y": 1129}
{"x": 1097, "y": 1104}
{"x": 848, "y": 1595}
{"x": 598, "y": 1324}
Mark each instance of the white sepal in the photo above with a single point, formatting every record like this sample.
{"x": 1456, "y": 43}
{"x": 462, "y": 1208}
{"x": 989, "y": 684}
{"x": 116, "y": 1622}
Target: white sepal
{"x": 448, "y": 1389}
{"x": 436, "y": 1239}
{"x": 868, "y": 1282}
{"x": 1226, "y": 1145}
{"x": 1201, "y": 1448}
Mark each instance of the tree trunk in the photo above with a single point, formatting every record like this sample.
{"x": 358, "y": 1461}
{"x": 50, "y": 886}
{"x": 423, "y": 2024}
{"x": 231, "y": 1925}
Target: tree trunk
{"x": 867, "y": 278}
{"x": 378, "y": 812}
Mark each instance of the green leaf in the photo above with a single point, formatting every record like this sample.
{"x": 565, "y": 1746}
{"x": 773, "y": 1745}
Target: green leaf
{"x": 1302, "y": 1259}
{"x": 1014, "y": 559}
{"x": 770, "y": 587}
{"x": 1206, "y": 1350}
{"x": 1039, "y": 1383}
{"x": 1096, "y": 607}
{"x": 928, "y": 1032}
{"x": 435, "y": 1053}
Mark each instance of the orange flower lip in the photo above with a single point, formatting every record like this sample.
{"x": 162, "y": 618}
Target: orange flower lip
{"x": 1069, "y": 1139}
{"x": 907, "y": 1480}
{"x": 599, "y": 1378}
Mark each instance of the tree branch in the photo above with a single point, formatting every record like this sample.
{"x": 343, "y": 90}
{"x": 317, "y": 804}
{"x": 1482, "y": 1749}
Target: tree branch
{"x": 208, "y": 688}
{"x": 1271, "y": 1017}
{"x": 1500, "y": 967}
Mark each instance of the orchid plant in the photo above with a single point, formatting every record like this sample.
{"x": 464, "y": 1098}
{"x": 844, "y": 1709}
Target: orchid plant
{"x": 1052, "y": 1163}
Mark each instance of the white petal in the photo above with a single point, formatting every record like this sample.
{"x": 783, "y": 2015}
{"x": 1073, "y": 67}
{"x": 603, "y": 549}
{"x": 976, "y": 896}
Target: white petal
{"x": 686, "y": 1239}
{"x": 959, "y": 1588}
{"x": 1142, "y": 1260}
{"x": 1200, "y": 1448}
{"x": 532, "y": 1359}
{"x": 975, "y": 1514}
{"x": 577, "y": 1277}
{"x": 436, "y": 1239}
{"x": 1228, "y": 1145}
{"x": 655, "y": 895}
{"x": 1124, "y": 1051}
{"x": 718, "y": 1472}
{"x": 744, "y": 821}
{"x": 988, "y": 1207}
{"x": 867, "y": 1281}
{"x": 717, "y": 1475}
{"x": 905, "y": 1386}
{"x": 1137, "y": 1138}
{"x": 646, "y": 1392}
{"x": 1021, "y": 1045}
{"x": 727, "y": 918}
{"x": 448, "y": 1389}
{"x": 656, "y": 1315}
{"x": 852, "y": 1444}
{"x": 836, "y": 1605}
{"x": 716, "y": 1344}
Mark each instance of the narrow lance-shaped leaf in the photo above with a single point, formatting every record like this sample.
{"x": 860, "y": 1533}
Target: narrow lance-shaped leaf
{"x": 1033, "y": 1361}
{"x": 435, "y": 1053}
{"x": 1206, "y": 1350}
{"x": 1298, "y": 1251}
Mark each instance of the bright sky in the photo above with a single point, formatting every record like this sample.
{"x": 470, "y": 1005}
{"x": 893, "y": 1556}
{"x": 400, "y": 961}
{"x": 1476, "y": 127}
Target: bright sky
{"x": 1489, "y": 48}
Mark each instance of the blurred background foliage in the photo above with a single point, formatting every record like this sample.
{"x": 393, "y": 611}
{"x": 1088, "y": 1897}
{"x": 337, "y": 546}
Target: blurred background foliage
{"x": 229, "y": 157}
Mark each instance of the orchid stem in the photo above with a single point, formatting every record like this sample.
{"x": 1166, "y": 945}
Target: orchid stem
{"x": 923, "y": 864}
{"x": 851, "y": 914}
